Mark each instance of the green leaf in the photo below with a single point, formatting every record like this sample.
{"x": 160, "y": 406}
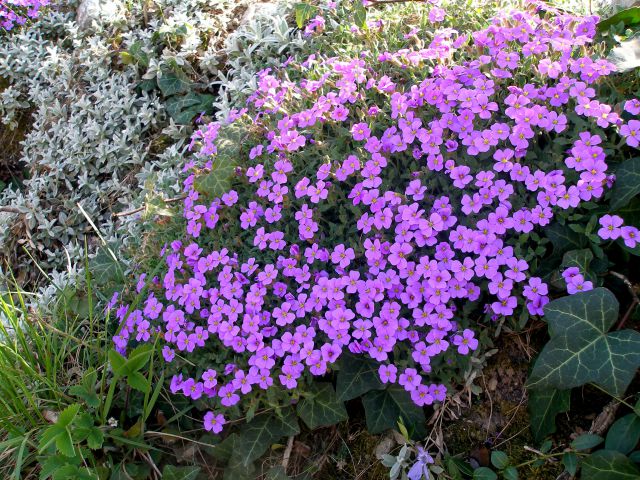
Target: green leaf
{"x": 580, "y": 349}
{"x": 635, "y": 456}
{"x": 118, "y": 363}
{"x": 570, "y": 462}
{"x": 183, "y": 108}
{"x": 624, "y": 434}
{"x": 499, "y": 459}
{"x": 258, "y": 435}
{"x": 139, "y": 55}
{"x": 627, "y": 184}
{"x": 360, "y": 15}
{"x": 277, "y": 473}
{"x": 172, "y": 83}
{"x": 586, "y": 441}
{"x": 139, "y": 382}
{"x": 629, "y": 17}
{"x": 139, "y": 357}
{"x": 544, "y": 405}
{"x": 484, "y": 473}
{"x": 171, "y": 472}
{"x": 383, "y": 408}
{"x": 609, "y": 465}
{"x": 64, "y": 443}
{"x": 95, "y": 439}
{"x": 564, "y": 239}
{"x": 304, "y": 12}
{"x": 357, "y": 375}
{"x": 322, "y": 408}
{"x": 217, "y": 181}
{"x": 510, "y": 473}
{"x": 68, "y": 415}
{"x": 49, "y": 465}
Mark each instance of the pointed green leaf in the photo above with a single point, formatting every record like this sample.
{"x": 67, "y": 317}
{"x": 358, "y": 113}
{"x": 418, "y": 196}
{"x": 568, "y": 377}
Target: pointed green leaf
{"x": 581, "y": 351}
{"x": 322, "y": 407}
{"x": 624, "y": 434}
{"x": 383, "y": 409}
{"x": 627, "y": 184}
{"x": 357, "y": 375}
{"x": 544, "y": 405}
{"x": 609, "y": 465}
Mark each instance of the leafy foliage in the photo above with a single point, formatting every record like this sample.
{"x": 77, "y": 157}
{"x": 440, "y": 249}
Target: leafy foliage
{"x": 544, "y": 405}
{"x": 581, "y": 350}
{"x": 321, "y": 407}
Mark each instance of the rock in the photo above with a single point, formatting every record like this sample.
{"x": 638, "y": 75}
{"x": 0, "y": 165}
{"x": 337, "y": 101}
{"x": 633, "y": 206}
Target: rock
{"x": 98, "y": 11}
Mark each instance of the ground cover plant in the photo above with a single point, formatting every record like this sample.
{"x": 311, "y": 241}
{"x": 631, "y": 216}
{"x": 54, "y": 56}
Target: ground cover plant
{"x": 422, "y": 218}
{"x": 373, "y": 213}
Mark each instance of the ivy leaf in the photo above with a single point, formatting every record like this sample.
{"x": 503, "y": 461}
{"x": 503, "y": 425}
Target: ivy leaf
{"x": 183, "y": 108}
{"x": 357, "y": 375}
{"x": 624, "y": 434}
{"x": 217, "y": 181}
{"x": 180, "y": 473}
{"x": 564, "y": 239}
{"x": 322, "y": 408}
{"x": 139, "y": 55}
{"x": 172, "y": 83}
{"x": 580, "y": 350}
{"x": 383, "y": 408}
{"x": 627, "y": 184}
{"x": 544, "y": 405}
{"x": 258, "y": 435}
{"x": 609, "y": 465}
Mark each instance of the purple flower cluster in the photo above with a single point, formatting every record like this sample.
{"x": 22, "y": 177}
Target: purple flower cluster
{"x": 293, "y": 300}
{"x": 575, "y": 281}
{"x": 17, "y": 12}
